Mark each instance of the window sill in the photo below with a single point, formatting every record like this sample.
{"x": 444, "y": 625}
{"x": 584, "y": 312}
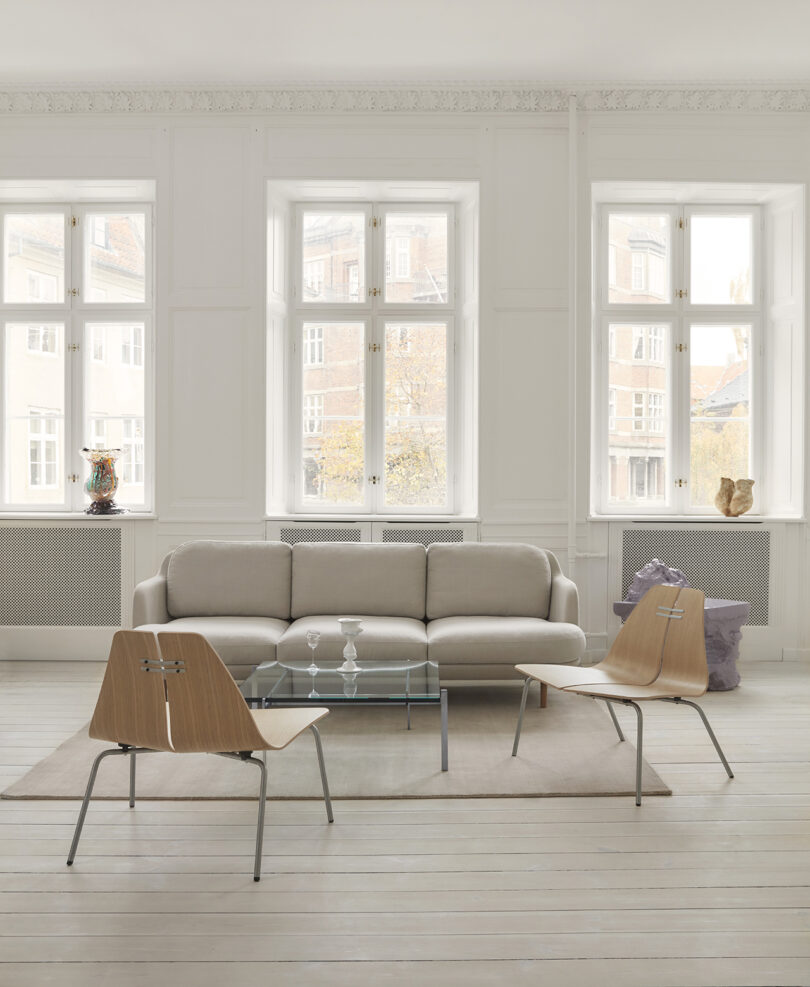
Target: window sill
{"x": 699, "y": 518}
{"x": 378, "y": 518}
{"x": 75, "y": 516}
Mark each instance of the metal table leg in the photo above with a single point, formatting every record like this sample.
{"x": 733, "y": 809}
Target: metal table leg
{"x": 444, "y": 728}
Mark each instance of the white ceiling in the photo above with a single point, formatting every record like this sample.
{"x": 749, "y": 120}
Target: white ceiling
{"x": 555, "y": 42}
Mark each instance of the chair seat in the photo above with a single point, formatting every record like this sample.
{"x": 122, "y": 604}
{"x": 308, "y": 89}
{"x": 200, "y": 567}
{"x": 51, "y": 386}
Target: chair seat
{"x": 568, "y": 677}
{"x": 280, "y": 727}
{"x": 658, "y": 690}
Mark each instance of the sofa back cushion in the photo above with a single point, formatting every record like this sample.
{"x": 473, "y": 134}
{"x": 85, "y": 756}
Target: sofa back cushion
{"x": 350, "y": 578}
{"x": 487, "y": 580}
{"x": 230, "y": 579}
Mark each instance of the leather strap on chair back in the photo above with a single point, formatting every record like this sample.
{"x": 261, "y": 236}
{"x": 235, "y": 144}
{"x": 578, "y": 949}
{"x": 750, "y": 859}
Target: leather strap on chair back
{"x": 131, "y": 707}
{"x": 636, "y": 655}
{"x": 206, "y": 709}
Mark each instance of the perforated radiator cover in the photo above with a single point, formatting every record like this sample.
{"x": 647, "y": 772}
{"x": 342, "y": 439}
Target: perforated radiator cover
{"x": 60, "y": 577}
{"x": 728, "y": 565}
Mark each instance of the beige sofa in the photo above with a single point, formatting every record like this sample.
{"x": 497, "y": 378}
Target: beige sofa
{"x": 477, "y": 609}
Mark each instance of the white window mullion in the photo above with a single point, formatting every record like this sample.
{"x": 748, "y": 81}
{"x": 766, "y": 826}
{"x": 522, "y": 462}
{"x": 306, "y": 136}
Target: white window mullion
{"x": 75, "y": 416}
{"x": 375, "y": 415}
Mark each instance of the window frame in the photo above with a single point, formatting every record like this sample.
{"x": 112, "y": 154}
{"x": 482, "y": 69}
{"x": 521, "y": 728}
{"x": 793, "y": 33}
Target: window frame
{"x": 678, "y": 315}
{"x": 74, "y": 314}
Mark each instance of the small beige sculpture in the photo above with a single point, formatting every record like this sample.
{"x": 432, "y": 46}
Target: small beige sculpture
{"x": 724, "y": 495}
{"x": 743, "y": 498}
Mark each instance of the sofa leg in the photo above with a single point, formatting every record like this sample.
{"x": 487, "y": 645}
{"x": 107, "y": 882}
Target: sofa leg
{"x": 543, "y": 695}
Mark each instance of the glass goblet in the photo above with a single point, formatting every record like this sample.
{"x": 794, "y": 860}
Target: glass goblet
{"x": 313, "y": 637}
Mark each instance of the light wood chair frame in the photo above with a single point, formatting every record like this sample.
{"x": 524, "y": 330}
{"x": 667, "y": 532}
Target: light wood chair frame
{"x": 679, "y": 656}
{"x": 141, "y": 709}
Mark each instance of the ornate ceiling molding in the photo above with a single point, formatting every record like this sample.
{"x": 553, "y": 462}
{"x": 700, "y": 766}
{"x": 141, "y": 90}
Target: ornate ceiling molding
{"x": 400, "y": 99}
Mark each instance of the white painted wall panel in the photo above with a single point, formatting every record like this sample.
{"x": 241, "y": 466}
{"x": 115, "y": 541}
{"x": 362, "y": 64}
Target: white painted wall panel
{"x": 213, "y": 433}
{"x": 384, "y": 150}
{"x": 524, "y": 430}
{"x": 106, "y": 150}
{"x": 209, "y": 208}
{"x": 531, "y": 212}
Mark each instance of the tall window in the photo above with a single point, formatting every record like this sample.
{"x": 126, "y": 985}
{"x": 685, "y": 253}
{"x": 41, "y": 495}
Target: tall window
{"x": 75, "y": 289}
{"x": 373, "y": 345}
{"x": 679, "y": 308}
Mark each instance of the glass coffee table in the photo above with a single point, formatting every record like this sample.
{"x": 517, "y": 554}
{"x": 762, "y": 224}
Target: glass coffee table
{"x": 300, "y": 683}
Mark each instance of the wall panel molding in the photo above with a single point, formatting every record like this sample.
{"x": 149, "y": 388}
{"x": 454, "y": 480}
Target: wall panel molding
{"x": 458, "y": 98}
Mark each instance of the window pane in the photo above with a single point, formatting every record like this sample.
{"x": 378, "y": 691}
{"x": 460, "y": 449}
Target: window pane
{"x": 334, "y": 251}
{"x": 638, "y": 413}
{"x": 333, "y": 415}
{"x": 115, "y": 401}
{"x": 115, "y": 257}
{"x": 639, "y": 258}
{"x": 720, "y": 403}
{"x": 34, "y": 251}
{"x": 35, "y": 413}
{"x": 416, "y": 257}
{"x": 415, "y": 414}
{"x": 722, "y": 249}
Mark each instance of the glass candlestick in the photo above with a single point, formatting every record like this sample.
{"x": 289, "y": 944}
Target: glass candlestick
{"x": 313, "y": 637}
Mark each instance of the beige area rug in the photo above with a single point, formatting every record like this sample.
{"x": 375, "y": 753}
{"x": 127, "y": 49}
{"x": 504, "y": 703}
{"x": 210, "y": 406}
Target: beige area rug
{"x": 569, "y": 748}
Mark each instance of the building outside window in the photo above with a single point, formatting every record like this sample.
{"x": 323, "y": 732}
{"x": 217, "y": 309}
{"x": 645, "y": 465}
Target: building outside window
{"x": 655, "y": 408}
{"x": 43, "y": 453}
{"x": 132, "y": 346}
{"x": 98, "y": 343}
{"x": 42, "y": 339}
{"x": 638, "y": 411}
{"x": 313, "y": 346}
{"x": 132, "y": 459}
{"x": 313, "y": 414}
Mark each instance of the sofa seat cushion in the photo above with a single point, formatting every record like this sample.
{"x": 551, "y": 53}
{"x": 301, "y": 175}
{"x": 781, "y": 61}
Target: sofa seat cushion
{"x": 242, "y": 579}
{"x": 241, "y": 642}
{"x": 502, "y": 641}
{"x": 383, "y": 639}
{"x": 470, "y": 579}
{"x": 353, "y": 579}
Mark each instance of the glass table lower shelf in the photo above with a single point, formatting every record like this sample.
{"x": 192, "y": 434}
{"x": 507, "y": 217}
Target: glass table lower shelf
{"x": 302, "y": 683}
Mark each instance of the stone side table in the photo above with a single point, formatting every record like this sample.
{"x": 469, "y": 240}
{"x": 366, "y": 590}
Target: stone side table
{"x": 723, "y": 620}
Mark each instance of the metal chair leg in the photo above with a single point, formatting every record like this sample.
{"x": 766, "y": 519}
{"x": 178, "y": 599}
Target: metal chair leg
{"x": 257, "y": 865}
{"x": 322, "y": 766}
{"x": 612, "y": 712}
{"x": 639, "y": 739}
{"x": 132, "y": 780}
{"x": 523, "y": 699}
{"x": 91, "y": 782}
{"x": 688, "y": 702}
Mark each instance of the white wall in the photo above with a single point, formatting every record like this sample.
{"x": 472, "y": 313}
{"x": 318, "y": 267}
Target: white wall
{"x": 211, "y": 170}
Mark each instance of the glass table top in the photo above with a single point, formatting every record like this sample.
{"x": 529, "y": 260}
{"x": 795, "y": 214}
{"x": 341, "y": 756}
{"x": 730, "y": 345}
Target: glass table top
{"x": 292, "y": 682}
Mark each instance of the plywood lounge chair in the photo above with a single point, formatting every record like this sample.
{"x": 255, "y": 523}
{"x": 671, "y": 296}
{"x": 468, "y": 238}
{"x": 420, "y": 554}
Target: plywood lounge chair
{"x": 681, "y": 658}
{"x": 635, "y": 657}
{"x": 180, "y": 698}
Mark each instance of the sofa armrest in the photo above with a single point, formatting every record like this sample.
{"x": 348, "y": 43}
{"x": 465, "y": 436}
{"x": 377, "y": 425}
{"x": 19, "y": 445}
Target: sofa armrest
{"x": 564, "y": 604}
{"x": 149, "y": 601}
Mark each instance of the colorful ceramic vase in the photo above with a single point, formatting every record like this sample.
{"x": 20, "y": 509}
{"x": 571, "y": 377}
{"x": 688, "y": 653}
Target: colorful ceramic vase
{"x": 102, "y": 482}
